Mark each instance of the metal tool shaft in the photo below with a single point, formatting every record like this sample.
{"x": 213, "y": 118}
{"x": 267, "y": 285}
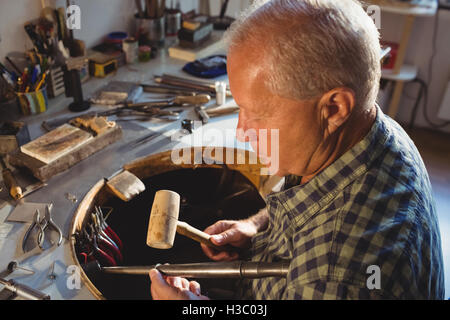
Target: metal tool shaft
{"x": 24, "y": 291}
{"x": 235, "y": 269}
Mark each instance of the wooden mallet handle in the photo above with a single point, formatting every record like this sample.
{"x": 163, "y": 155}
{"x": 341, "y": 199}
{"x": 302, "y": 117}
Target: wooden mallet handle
{"x": 202, "y": 237}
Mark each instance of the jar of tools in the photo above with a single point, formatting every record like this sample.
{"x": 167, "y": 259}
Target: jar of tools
{"x": 33, "y": 102}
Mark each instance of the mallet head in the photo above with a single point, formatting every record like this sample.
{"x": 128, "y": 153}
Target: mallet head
{"x": 163, "y": 219}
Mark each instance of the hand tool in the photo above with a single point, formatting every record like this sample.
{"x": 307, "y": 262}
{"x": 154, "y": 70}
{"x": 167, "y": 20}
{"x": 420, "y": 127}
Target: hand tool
{"x": 11, "y": 184}
{"x": 46, "y": 222}
{"x": 106, "y": 246}
{"x": 14, "y": 265}
{"x": 203, "y": 82}
{"x": 35, "y": 223}
{"x": 100, "y": 230}
{"x": 110, "y": 232}
{"x": 141, "y": 109}
{"x": 95, "y": 251}
{"x": 42, "y": 80}
{"x": 32, "y": 188}
{"x": 164, "y": 223}
{"x": 24, "y": 291}
{"x": 185, "y": 84}
{"x": 112, "y": 247}
{"x": 166, "y": 89}
{"x": 203, "y": 115}
{"x": 234, "y": 269}
{"x": 172, "y": 102}
{"x": 222, "y": 110}
{"x": 196, "y": 84}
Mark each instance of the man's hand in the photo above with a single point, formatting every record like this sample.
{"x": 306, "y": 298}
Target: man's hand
{"x": 235, "y": 233}
{"x": 174, "y": 288}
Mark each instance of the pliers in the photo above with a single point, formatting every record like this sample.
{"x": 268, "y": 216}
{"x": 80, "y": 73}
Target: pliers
{"x": 46, "y": 222}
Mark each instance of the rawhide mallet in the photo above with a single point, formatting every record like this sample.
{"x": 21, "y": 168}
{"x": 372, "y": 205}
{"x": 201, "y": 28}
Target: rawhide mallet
{"x": 164, "y": 223}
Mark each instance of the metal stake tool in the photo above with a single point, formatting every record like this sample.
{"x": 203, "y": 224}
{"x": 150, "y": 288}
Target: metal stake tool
{"x": 235, "y": 269}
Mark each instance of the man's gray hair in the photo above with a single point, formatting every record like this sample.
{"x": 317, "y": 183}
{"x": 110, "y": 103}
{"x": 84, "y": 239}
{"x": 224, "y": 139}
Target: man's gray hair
{"x": 313, "y": 46}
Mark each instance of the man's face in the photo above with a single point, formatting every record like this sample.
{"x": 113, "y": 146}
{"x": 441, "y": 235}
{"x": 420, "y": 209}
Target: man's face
{"x": 297, "y": 122}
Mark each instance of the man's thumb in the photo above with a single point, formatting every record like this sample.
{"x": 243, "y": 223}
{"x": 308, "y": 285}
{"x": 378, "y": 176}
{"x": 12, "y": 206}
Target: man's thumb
{"x": 224, "y": 237}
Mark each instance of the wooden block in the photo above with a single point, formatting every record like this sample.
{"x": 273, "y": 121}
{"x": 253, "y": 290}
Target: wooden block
{"x": 95, "y": 124}
{"x": 125, "y": 185}
{"x": 56, "y": 143}
{"x": 44, "y": 171}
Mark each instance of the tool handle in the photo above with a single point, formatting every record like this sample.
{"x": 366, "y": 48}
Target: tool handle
{"x": 199, "y": 236}
{"x": 24, "y": 291}
{"x": 202, "y": 114}
{"x": 14, "y": 189}
{"x": 183, "y": 84}
{"x": 197, "y": 99}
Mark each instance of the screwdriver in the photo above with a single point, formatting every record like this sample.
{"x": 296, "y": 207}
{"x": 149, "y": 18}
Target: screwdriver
{"x": 14, "y": 189}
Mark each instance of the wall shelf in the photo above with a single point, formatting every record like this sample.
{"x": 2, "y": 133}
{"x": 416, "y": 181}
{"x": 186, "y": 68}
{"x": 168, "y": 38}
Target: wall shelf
{"x": 407, "y": 73}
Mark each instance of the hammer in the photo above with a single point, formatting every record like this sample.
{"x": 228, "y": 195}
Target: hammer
{"x": 164, "y": 223}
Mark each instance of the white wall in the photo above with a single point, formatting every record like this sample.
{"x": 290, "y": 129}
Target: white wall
{"x": 419, "y": 53}
{"x": 98, "y": 18}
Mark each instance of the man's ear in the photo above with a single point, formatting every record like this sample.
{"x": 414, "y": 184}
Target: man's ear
{"x": 336, "y": 107}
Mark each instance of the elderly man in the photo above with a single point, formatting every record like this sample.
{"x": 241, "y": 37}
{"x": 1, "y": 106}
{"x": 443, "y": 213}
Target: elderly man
{"x": 356, "y": 217}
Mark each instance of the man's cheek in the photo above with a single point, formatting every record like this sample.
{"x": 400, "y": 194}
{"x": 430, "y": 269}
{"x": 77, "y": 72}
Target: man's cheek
{"x": 269, "y": 150}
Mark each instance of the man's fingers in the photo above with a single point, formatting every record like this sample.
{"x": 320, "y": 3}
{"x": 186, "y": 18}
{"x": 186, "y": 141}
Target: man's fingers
{"x": 160, "y": 289}
{"x": 176, "y": 282}
{"x": 218, "y": 227}
{"x": 228, "y": 236}
{"x": 219, "y": 255}
{"x": 194, "y": 287}
{"x": 158, "y": 283}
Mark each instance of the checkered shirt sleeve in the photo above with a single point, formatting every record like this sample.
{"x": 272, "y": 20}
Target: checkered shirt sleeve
{"x": 371, "y": 207}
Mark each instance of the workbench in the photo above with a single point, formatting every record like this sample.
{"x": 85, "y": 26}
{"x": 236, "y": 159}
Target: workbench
{"x": 80, "y": 178}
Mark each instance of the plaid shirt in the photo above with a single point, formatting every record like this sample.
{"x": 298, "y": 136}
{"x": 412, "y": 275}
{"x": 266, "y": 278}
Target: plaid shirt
{"x": 372, "y": 206}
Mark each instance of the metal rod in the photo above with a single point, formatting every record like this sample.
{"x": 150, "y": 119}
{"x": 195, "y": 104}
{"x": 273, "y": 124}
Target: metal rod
{"x": 24, "y": 291}
{"x": 235, "y": 269}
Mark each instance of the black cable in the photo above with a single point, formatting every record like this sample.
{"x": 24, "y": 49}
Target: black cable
{"x": 416, "y": 104}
